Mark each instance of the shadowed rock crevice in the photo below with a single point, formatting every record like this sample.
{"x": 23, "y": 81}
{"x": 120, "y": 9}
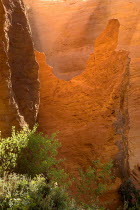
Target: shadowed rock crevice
{"x": 9, "y": 114}
{"x": 21, "y": 59}
{"x": 19, "y": 95}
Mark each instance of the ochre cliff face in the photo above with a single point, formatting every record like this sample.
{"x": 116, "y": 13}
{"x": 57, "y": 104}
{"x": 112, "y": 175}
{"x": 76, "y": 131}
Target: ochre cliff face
{"x": 19, "y": 98}
{"x": 88, "y": 110}
{"x": 96, "y": 113}
{"x": 66, "y": 32}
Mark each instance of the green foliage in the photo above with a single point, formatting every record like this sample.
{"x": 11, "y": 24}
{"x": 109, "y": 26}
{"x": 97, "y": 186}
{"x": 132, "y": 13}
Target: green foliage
{"x": 32, "y": 178}
{"x": 19, "y": 192}
{"x": 92, "y": 183}
{"x": 32, "y": 153}
{"x": 11, "y": 147}
{"x": 39, "y": 156}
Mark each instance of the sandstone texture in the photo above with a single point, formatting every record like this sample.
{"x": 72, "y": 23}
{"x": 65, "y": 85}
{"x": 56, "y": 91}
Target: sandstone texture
{"x": 97, "y": 113}
{"x": 19, "y": 71}
{"x": 88, "y": 111}
{"x": 65, "y": 31}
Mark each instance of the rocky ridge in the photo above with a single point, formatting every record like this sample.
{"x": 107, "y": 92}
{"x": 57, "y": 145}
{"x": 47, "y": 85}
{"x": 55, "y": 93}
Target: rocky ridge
{"x": 92, "y": 105}
{"x": 19, "y": 70}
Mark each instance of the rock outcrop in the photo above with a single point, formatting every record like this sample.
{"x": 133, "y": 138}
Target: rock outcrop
{"x": 66, "y": 31}
{"x": 89, "y": 111}
{"x": 19, "y": 83}
{"x": 96, "y": 108}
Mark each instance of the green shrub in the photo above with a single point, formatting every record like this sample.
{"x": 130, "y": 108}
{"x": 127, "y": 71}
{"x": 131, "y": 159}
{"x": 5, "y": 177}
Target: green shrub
{"x": 92, "y": 183}
{"x": 39, "y": 156}
{"x": 11, "y": 147}
{"x": 29, "y": 153}
{"x": 32, "y": 153}
{"x": 19, "y": 192}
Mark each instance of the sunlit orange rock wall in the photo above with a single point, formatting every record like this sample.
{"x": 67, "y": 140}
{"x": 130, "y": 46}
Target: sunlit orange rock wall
{"x": 19, "y": 94}
{"x": 66, "y": 32}
{"x": 89, "y": 111}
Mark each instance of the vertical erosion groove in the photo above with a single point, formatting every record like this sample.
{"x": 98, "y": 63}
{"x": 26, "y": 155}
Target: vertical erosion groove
{"x": 21, "y": 59}
{"x": 9, "y": 114}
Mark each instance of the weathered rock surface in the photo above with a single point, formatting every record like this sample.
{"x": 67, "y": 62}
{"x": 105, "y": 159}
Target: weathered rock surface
{"x": 8, "y": 108}
{"x": 88, "y": 110}
{"x": 66, "y": 31}
{"x": 19, "y": 98}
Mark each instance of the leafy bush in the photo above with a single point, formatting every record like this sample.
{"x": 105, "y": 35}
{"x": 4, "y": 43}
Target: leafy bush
{"x": 11, "y": 147}
{"x": 92, "y": 183}
{"x": 39, "y": 156}
{"x": 32, "y": 153}
{"x": 19, "y": 192}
